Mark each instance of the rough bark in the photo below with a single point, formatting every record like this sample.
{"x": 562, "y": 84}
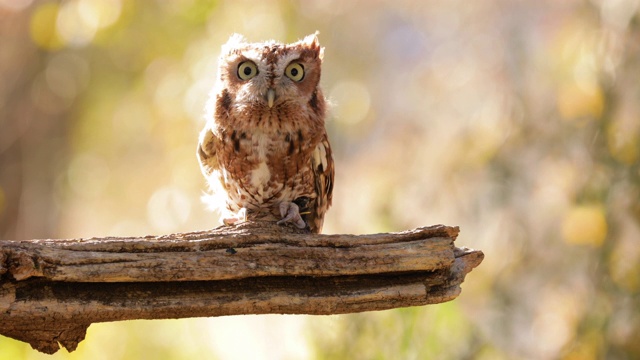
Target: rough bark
{"x": 52, "y": 290}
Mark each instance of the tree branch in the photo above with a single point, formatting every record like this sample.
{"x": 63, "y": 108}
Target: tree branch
{"x": 52, "y": 290}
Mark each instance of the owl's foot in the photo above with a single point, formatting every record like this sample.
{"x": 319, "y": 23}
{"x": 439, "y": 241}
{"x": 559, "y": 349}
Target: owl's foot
{"x": 290, "y": 212}
{"x": 241, "y": 216}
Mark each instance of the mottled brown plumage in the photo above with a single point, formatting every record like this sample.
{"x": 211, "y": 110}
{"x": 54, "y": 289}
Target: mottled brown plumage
{"x": 264, "y": 150}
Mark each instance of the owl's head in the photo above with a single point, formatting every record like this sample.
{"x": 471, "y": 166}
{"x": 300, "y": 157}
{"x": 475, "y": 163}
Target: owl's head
{"x": 270, "y": 75}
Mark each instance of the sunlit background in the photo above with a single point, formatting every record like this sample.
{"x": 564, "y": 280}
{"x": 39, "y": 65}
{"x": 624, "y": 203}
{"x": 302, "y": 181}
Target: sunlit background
{"x": 519, "y": 121}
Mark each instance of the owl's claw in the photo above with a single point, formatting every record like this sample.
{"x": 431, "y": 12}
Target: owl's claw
{"x": 241, "y": 216}
{"x": 290, "y": 212}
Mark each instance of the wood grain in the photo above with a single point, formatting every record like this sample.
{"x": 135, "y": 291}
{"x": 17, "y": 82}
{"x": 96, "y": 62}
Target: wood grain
{"x": 52, "y": 290}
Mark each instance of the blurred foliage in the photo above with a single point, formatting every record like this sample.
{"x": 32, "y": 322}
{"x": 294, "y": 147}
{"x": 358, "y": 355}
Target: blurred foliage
{"x": 517, "y": 120}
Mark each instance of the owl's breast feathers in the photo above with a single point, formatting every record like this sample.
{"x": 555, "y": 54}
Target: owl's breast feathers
{"x": 262, "y": 161}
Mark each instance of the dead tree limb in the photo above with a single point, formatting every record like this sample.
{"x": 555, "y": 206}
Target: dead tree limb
{"x": 52, "y": 290}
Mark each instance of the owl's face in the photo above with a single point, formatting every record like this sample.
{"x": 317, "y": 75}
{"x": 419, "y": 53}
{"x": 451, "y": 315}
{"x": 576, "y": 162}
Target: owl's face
{"x": 270, "y": 75}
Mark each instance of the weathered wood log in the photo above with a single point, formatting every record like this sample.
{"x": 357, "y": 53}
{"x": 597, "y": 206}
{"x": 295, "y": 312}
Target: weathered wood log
{"x": 52, "y": 290}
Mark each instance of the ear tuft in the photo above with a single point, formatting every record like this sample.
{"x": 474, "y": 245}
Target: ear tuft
{"x": 312, "y": 40}
{"x": 234, "y": 41}
{"x": 312, "y": 43}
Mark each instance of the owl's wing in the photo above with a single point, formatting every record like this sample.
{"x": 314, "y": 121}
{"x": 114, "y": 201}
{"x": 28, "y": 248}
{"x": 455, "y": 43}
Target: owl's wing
{"x": 323, "y": 171}
{"x": 207, "y": 152}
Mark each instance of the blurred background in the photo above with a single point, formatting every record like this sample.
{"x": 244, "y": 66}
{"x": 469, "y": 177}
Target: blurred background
{"x": 519, "y": 121}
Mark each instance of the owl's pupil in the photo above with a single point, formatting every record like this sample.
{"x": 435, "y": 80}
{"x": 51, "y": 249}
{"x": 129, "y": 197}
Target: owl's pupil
{"x": 294, "y": 72}
{"x": 247, "y": 71}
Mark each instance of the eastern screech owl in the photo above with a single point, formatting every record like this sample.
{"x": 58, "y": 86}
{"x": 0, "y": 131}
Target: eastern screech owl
{"x": 264, "y": 150}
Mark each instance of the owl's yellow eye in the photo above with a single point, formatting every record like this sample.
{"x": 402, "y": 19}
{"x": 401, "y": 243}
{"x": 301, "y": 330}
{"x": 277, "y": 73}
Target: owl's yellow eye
{"x": 295, "y": 71}
{"x": 247, "y": 70}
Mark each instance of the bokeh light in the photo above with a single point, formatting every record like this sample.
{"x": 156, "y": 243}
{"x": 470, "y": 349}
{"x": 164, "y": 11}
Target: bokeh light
{"x": 352, "y": 102}
{"x": 43, "y": 26}
{"x": 585, "y": 224}
{"x": 168, "y": 209}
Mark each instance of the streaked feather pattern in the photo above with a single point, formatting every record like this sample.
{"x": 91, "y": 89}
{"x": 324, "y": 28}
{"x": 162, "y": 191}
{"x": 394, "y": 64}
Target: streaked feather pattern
{"x": 264, "y": 143}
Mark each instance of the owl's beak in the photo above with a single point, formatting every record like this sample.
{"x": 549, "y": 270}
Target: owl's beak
{"x": 271, "y": 97}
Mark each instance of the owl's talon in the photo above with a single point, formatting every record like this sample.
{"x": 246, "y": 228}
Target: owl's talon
{"x": 290, "y": 212}
{"x": 240, "y": 217}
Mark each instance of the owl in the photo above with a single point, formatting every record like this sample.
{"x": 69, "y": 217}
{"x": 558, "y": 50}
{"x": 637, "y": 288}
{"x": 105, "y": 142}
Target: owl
{"x": 264, "y": 150}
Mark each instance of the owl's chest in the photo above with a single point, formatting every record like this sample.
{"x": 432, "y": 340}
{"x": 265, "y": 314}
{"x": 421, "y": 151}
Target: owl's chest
{"x": 259, "y": 166}
{"x": 246, "y": 149}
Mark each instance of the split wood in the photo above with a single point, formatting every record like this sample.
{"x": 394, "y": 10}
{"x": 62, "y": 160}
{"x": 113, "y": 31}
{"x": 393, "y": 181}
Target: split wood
{"x": 52, "y": 290}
